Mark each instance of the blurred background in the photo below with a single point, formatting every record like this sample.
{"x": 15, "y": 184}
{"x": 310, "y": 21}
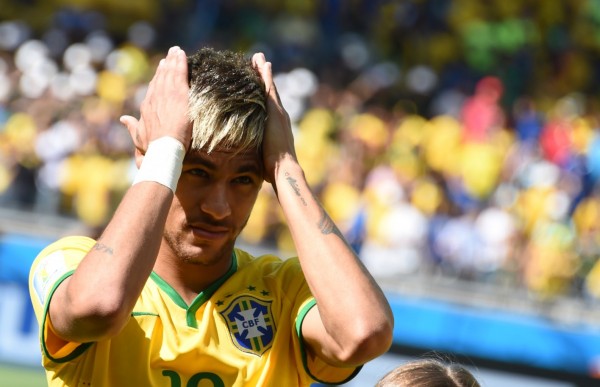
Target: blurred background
{"x": 455, "y": 142}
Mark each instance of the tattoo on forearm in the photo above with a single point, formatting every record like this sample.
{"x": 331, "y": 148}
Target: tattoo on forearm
{"x": 103, "y": 248}
{"x": 327, "y": 226}
{"x": 294, "y": 184}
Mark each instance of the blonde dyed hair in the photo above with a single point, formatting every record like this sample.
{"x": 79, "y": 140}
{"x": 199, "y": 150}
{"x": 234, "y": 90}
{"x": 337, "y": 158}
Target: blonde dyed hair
{"x": 227, "y": 101}
{"x": 429, "y": 373}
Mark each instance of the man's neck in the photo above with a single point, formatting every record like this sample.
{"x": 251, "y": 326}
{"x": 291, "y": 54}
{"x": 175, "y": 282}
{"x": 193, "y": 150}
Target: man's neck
{"x": 190, "y": 279}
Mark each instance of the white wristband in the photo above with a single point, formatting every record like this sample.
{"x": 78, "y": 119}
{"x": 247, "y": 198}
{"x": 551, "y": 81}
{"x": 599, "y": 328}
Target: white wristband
{"x": 162, "y": 162}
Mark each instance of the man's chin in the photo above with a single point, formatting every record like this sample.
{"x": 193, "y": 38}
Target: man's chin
{"x": 205, "y": 253}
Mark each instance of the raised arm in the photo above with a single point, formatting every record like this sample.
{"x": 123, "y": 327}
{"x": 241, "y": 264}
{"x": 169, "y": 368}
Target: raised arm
{"x": 352, "y": 322}
{"x": 96, "y": 301}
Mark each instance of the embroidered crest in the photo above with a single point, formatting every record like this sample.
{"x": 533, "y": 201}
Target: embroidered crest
{"x": 47, "y": 272}
{"x": 250, "y": 324}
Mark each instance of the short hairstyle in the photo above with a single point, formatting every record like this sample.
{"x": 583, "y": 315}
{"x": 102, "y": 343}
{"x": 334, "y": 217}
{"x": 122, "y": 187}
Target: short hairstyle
{"x": 429, "y": 373}
{"x": 227, "y": 101}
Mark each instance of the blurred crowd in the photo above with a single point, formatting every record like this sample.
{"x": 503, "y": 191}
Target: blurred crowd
{"x": 457, "y": 138}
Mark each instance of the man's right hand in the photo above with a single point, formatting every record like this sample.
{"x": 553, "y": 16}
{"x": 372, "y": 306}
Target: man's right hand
{"x": 164, "y": 110}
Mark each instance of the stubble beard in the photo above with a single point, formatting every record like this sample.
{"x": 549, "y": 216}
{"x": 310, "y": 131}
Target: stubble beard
{"x": 207, "y": 255}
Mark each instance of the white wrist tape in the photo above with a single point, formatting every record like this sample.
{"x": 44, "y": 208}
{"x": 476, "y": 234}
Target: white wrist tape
{"x": 162, "y": 162}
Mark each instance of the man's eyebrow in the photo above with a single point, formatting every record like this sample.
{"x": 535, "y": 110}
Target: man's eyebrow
{"x": 194, "y": 159}
{"x": 250, "y": 168}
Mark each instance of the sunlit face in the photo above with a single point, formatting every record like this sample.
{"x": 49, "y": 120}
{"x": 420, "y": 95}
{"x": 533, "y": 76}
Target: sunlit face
{"x": 212, "y": 204}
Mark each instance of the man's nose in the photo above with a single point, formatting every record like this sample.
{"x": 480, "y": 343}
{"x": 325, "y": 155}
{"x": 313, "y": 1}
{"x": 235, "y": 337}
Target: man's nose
{"x": 215, "y": 202}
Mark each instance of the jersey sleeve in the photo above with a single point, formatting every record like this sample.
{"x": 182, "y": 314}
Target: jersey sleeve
{"x": 316, "y": 368}
{"x": 50, "y": 268}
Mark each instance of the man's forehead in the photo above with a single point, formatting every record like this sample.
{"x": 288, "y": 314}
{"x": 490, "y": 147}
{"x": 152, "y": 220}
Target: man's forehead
{"x": 223, "y": 152}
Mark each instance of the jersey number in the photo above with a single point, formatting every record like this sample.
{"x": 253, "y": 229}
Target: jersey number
{"x": 194, "y": 380}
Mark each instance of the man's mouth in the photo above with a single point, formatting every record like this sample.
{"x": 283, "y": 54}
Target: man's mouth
{"x": 206, "y": 231}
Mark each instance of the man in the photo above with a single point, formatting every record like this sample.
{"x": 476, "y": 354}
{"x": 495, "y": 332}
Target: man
{"x": 163, "y": 298}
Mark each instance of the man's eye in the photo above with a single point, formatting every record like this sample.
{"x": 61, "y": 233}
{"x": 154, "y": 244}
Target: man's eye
{"x": 198, "y": 172}
{"x": 244, "y": 180}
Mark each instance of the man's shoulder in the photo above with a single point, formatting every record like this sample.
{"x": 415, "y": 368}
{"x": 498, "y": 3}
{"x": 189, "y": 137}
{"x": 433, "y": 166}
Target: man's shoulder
{"x": 77, "y": 242}
{"x": 281, "y": 277}
{"x": 70, "y": 250}
{"x": 54, "y": 262}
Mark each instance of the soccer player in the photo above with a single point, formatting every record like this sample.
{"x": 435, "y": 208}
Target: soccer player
{"x": 163, "y": 297}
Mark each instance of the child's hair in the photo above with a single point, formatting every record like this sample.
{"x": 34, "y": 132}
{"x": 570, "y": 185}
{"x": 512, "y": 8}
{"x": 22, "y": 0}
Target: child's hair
{"x": 429, "y": 373}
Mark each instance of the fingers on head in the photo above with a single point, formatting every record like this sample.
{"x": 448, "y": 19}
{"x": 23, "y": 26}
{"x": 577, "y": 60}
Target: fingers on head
{"x": 174, "y": 65}
{"x": 174, "y": 56}
{"x": 258, "y": 59}
{"x": 133, "y": 126}
{"x": 181, "y": 65}
{"x": 264, "y": 69}
{"x": 170, "y": 59}
{"x": 261, "y": 64}
{"x": 157, "y": 74}
{"x": 130, "y": 124}
{"x": 161, "y": 71}
{"x": 267, "y": 76}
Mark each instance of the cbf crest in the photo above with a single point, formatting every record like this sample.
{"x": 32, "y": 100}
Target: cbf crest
{"x": 250, "y": 324}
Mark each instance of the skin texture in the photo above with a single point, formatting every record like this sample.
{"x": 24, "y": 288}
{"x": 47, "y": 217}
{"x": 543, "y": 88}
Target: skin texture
{"x": 187, "y": 237}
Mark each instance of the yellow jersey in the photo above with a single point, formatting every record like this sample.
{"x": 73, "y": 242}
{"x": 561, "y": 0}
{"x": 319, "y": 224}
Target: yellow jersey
{"x": 244, "y": 330}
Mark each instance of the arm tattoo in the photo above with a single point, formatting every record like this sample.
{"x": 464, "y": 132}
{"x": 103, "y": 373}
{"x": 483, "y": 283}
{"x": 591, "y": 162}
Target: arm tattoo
{"x": 327, "y": 226}
{"x": 103, "y": 248}
{"x": 294, "y": 184}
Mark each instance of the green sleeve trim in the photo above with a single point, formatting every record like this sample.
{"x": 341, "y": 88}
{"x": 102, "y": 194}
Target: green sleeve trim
{"x": 299, "y": 320}
{"x": 80, "y": 349}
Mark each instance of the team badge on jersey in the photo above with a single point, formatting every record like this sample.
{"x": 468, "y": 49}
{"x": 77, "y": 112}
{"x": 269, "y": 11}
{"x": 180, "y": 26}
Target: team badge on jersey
{"x": 251, "y": 324}
{"x": 47, "y": 272}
